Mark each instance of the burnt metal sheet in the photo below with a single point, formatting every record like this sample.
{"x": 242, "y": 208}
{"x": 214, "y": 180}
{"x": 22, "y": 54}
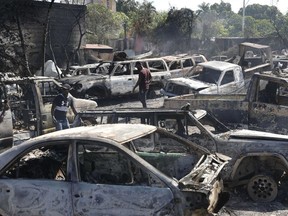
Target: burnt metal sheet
{"x": 35, "y": 197}
{"x": 97, "y": 199}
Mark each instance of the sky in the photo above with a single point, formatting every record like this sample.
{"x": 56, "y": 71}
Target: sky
{"x": 164, "y": 5}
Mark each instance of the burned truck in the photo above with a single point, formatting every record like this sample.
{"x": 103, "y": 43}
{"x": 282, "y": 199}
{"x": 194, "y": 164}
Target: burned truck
{"x": 30, "y": 100}
{"x": 264, "y": 107}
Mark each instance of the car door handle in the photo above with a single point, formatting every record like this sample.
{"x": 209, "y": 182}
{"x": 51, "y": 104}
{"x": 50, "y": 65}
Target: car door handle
{"x": 130, "y": 79}
{"x": 76, "y": 195}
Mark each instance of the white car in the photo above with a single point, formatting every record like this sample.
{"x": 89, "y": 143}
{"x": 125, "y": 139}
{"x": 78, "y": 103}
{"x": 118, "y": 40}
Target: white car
{"x": 104, "y": 170}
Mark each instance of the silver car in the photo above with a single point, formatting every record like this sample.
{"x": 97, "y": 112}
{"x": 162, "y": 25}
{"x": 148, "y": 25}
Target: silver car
{"x": 120, "y": 169}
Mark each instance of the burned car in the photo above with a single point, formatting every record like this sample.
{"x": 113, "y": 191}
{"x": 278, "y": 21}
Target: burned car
{"x": 215, "y": 77}
{"x": 182, "y": 64}
{"x": 113, "y": 79}
{"x": 119, "y": 169}
{"x": 259, "y": 159}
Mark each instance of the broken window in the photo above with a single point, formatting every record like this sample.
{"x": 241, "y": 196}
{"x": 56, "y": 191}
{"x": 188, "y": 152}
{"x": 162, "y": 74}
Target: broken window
{"x": 175, "y": 65}
{"x": 45, "y": 162}
{"x": 166, "y": 153}
{"x": 209, "y": 75}
{"x": 272, "y": 93}
{"x": 156, "y": 66}
{"x": 187, "y": 63}
{"x": 122, "y": 69}
{"x": 100, "y": 164}
{"x": 228, "y": 77}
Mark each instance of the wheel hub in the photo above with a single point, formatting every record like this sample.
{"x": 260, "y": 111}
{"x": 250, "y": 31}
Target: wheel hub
{"x": 262, "y": 188}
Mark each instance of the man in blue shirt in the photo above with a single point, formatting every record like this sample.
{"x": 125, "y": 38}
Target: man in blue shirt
{"x": 60, "y": 107}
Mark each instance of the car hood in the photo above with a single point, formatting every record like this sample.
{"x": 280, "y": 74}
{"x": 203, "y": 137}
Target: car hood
{"x": 191, "y": 83}
{"x": 252, "y": 134}
{"x": 82, "y": 78}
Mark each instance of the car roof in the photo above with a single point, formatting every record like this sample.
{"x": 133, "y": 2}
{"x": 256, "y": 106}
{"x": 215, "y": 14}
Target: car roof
{"x": 218, "y": 65}
{"x": 120, "y": 133}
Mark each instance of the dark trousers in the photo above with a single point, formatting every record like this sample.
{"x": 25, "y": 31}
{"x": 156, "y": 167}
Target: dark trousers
{"x": 143, "y": 97}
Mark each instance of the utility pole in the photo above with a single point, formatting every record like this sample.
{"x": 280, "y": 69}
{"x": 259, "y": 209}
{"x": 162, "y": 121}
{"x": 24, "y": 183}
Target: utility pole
{"x": 125, "y": 35}
{"x": 243, "y": 18}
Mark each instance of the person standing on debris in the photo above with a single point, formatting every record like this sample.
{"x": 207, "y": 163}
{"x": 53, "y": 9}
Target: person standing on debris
{"x": 60, "y": 107}
{"x": 144, "y": 80}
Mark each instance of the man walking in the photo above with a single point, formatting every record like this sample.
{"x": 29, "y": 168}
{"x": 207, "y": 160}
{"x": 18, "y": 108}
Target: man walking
{"x": 144, "y": 80}
{"x": 60, "y": 107}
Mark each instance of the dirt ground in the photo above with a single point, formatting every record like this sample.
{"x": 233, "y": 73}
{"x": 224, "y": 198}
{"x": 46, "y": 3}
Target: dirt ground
{"x": 239, "y": 203}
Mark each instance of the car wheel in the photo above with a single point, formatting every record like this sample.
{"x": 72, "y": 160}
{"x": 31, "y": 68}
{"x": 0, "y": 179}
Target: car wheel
{"x": 262, "y": 188}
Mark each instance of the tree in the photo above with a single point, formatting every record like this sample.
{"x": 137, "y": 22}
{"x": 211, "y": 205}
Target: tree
{"x": 203, "y": 7}
{"x": 103, "y": 24}
{"x": 127, "y": 6}
{"x": 223, "y": 10}
{"x": 280, "y": 24}
{"x": 175, "y": 33}
{"x": 142, "y": 19}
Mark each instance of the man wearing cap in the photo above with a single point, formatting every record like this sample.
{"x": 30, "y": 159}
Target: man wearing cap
{"x": 60, "y": 107}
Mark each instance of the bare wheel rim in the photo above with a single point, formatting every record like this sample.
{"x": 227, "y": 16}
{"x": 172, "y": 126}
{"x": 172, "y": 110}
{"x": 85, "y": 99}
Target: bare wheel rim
{"x": 262, "y": 188}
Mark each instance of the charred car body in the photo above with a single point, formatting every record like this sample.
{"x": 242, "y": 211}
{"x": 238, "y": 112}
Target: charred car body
{"x": 97, "y": 170}
{"x": 181, "y": 65}
{"x": 30, "y": 100}
{"x": 259, "y": 159}
{"x": 114, "y": 79}
{"x": 264, "y": 107}
{"x": 214, "y": 77}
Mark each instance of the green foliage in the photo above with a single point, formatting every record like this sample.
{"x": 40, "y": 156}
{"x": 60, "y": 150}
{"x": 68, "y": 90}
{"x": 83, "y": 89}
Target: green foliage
{"x": 178, "y": 26}
{"x": 142, "y": 19}
{"x": 127, "y": 6}
{"x": 250, "y": 27}
{"x": 264, "y": 28}
{"x": 258, "y": 11}
{"x": 234, "y": 25}
{"x": 103, "y": 24}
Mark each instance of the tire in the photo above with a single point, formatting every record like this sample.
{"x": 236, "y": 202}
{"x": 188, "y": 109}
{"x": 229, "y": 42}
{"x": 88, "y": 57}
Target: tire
{"x": 262, "y": 188}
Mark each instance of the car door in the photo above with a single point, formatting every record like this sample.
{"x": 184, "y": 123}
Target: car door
{"x": 227, "y": 83}
{"x": 122, "y": 80}
{"x": 268, "y": 109}
{"x": 111, "y": 184}
{"x": 36, "y": 184}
